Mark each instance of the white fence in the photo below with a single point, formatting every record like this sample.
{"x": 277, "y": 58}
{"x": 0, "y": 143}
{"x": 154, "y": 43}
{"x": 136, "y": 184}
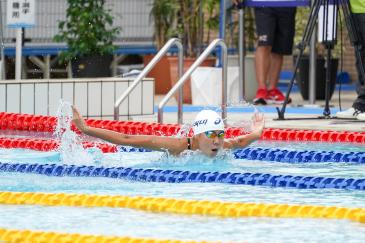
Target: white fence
{"x": 94, "y": 97}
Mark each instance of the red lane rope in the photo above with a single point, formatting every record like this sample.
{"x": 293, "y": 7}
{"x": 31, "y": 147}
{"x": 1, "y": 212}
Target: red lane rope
{"x": 49, "y": 145}
{"x": 38, "y": 123}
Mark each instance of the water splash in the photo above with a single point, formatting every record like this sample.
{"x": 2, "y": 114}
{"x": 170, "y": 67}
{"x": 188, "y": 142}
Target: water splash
{"x": 184, "y": 130}
{"x": 244, "y": 104}
{"x": 195, "y": 161}
{"x": 70, "y": 149}
{"x": 246, "y": 124}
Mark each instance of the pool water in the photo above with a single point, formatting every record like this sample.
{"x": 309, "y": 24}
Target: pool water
{"x": 195, "y": 162}
{"x": 126, "y": 222}
{"x": 111, "y": 221}
{"x": 196, "y": 191}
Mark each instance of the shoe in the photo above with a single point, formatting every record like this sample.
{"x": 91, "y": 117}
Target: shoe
{"x": 361, "y": 116}
{"x": 276, "y": 97}
{"x": 350, "y": 113}
{"x": 261, "y": 97}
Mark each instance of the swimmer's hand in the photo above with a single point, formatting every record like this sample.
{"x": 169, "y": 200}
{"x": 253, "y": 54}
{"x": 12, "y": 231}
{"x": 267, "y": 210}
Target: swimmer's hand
{"x": 78, "y": 120}
{"x": 258, "y": 124}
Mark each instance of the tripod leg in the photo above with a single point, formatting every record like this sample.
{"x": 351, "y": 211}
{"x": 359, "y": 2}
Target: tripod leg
{"x": 326, "y": 111}
{"x": 330, "y": 32}
{"x": 302, "y": 45}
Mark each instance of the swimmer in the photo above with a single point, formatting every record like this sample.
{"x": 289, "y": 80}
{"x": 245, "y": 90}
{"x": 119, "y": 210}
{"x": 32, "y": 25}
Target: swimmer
{"x": 208, "y": 128}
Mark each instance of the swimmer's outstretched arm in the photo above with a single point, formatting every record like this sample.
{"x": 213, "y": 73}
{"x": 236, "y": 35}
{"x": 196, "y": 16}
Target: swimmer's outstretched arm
{"x": 174, "y": 145}
{"x": 258, "y": 124}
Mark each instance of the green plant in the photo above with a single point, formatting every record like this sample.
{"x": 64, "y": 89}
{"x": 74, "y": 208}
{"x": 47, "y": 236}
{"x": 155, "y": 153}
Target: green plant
{"x": 249, "y": 28}
{"x": 212, "y": 20}
{"x": 163, "y": 13}
{"x": 87, "y": 29}
{"x": 189, "y": 25}
{"x": 192, "y": 21}
{"x": 186, "y": 19}
{"x": 301, "y": 19}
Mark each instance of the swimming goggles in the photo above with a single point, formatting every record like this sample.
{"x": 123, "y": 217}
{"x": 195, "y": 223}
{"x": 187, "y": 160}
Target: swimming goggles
{"x": 214, "y": 134}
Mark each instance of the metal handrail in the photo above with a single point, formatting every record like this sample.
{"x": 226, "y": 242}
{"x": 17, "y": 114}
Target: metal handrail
{"x": 145, "y": 71}
{"x": 186, "y": 75}
{"x": 2, "y": 47}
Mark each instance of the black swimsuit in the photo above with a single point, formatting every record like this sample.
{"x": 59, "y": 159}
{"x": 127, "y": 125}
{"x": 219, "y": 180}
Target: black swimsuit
{"x": 189, "y": 144}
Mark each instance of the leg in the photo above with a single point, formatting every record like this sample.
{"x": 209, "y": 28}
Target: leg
{"x": 265, "y": 28}
{"x": 262, "y": 65}
{"x": 359, "y": 103}
{"x": 275, "y": 68}
{"x": 275, "y": 95}
{"x": 283, "y": 45}
{"x": 358, "y": 107}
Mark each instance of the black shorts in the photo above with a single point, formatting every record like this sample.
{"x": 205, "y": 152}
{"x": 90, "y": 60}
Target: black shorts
{"x": 275, "y": 26}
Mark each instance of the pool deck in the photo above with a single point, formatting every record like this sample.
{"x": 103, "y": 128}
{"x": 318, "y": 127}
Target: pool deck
{"x": 238, "y": 116}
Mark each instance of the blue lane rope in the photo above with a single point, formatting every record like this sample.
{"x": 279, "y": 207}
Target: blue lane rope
{"x": 282, "y": 155}
{"x": 176, "y": 176}
{"x": 288, "y": 156}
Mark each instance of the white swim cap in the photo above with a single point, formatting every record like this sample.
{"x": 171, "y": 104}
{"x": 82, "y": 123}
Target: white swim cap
{"x": 207, "y": 120}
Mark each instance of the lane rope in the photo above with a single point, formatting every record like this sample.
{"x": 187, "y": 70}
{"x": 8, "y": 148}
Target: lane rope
{"x": 176, "y": 176}
{"x": 262, "y": 154}
{"x": 38, "y": 123}
{"x": 12, "y": 235}
{"x": 182, "y": 206}
{"x": 292, "y": 156}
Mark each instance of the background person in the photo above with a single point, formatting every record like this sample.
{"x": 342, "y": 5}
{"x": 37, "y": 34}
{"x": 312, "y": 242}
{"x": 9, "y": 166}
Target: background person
{"x": 208, "y": 136}
{"x": 275, "y": 27}
{"x": 357, "y": 111}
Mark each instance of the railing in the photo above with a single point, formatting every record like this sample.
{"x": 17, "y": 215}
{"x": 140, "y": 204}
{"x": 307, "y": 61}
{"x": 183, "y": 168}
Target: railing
{"x": 180, "y": 83}
{"x": 145, "y": 71}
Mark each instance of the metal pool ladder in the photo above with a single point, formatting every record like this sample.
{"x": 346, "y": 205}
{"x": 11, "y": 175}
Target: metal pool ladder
{"x": 145, "y": 71}
{"x": 187, "y": 74}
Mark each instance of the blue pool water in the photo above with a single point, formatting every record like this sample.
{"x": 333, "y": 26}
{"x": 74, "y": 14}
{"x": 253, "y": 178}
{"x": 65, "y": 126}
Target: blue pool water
{"x": 124, "y": 222}
{"x": 108, "y": 221}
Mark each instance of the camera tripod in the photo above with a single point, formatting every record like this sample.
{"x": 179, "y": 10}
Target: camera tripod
{"x": 329, "y": 10}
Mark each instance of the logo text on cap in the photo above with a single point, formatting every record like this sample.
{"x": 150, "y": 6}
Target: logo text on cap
{"x": 200, "y": 122}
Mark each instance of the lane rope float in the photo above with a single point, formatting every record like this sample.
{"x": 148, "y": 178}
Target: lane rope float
{"x": 177, "y": 176}
{"x": 38, "y": 123}
{"x": 12, "y": 235}
{"x": 262, "y": 154}
{"x": 182, "y": 206}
